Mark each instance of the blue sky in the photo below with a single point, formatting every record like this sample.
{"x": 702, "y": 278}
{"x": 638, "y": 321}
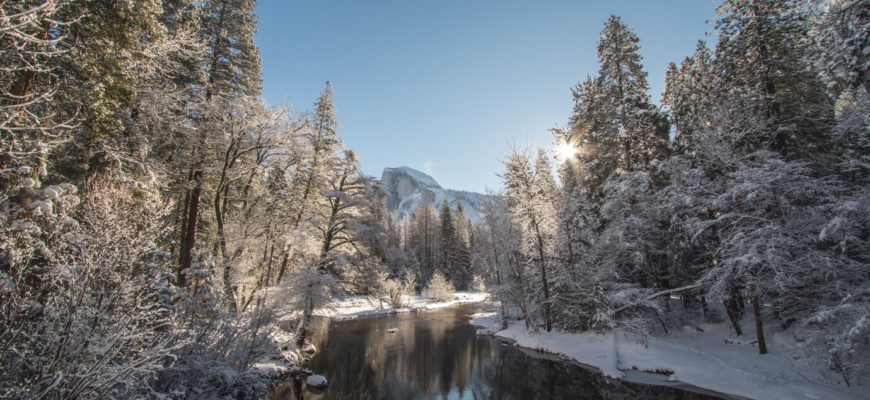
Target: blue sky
{"x": 443, "y": 86}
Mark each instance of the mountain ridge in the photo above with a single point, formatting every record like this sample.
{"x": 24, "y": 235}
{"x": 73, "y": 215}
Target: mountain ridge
{"x": 408, "y": 189}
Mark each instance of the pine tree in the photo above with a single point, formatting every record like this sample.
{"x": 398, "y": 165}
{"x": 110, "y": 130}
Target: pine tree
{"x": 449, "y": 243}
{"x": 464, "y": 238}
{"x": 232, "y": 59}
{"x": 112, "y": 40}
{"x": 614, "y": 126}
{"x": 589, "y": 130}
{"x": 689, "y": 96}
{"x": 768, "y": 94}
{"x": 641, "y": 129}
{"x": 841, "y": 35}
{"x": 232, "y": 68}
{"x": 28, "y": 120}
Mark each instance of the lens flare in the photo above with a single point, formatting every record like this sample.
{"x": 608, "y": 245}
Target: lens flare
{"x": 566, "y": 151}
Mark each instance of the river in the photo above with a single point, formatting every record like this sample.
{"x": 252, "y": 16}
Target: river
{"x": 437, "y": 355}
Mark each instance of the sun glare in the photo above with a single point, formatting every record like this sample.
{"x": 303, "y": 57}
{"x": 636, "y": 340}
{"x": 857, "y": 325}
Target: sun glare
{"x": 565, "y": 151}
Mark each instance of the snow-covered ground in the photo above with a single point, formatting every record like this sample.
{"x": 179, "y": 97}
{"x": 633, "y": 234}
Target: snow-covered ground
{"x": 701, "y": 359}
{"x": 280, "y": 363}
{"x": 360, "y": 306}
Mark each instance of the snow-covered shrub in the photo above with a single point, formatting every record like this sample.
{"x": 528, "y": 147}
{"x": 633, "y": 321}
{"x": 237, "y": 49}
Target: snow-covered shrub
{"x": 439, "y": 288}
{"x": 85, "y": 302}
{"x": 306, "y": 290}
{"x": 478, "y": 284}
{"x": 401, "y": 292}
{"x": 215, "y": 350}
{"x": 842, "y": 333}
{"x": 393, "y": 289}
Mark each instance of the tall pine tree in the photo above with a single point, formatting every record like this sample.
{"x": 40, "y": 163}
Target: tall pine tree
{"x": 232, "y": 68}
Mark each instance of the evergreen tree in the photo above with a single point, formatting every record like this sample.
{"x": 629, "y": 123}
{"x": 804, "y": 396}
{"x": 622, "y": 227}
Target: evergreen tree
{"x": 231, "y": 68}
{"x": 449, "y": 246}
{"x": 614, "y": 126}
{"x": 589, "y": 130}
{"x": 111, "y": 42}
{"x": 689, "y": 96}
{"x": 464, "y": 238}
{"x": 423, "y": 241}
{"x": 29, "y": 51}
{"x": 232, "y": 62}
{"x": 841, "y": 35}
{"x": 769, "y": 98}
{"x": 641, "y": 130}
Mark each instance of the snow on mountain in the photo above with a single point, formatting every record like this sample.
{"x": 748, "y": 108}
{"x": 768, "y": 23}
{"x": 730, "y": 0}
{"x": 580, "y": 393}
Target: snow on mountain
{"x": 419, "y": 176}
{"x": 408, "y": 189}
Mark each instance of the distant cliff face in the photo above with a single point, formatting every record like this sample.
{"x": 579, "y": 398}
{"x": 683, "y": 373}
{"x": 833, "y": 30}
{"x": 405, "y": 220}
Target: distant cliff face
{"x": 407, "y": 189}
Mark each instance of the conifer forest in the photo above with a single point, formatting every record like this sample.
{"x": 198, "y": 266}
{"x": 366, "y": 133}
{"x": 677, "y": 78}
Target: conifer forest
{"x": 164, "y": 230}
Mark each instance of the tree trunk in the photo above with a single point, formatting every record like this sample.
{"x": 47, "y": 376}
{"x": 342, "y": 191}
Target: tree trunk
{"x": 266, "y": 279}
{"x": 283, "y": 269}
{"x": 302, "y": 330}
{"x": 705, "y": 309}
{"x": 221, "y": 244}
{"x": 740, "y": 303}
{"x": 182, "y": 233}
{"x": 190, "y": 232}
{"x": 23, "y": 86}
{"x": 570, "y": 252}
{"x": 229, "y": 290}
{"x": 731, "y": 310}
{"x": 759, "y": 328}
{"x": 547, "y": 321}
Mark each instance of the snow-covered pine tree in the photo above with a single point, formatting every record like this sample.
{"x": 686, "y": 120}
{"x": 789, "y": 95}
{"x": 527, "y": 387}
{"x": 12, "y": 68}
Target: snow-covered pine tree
{"x": 530, "y": 201}
{"x": 232, "y": 59}
{"x": 614, "y": 126}
{"x": 464, "y": 236}
{"x": 841, "y": 35}
{"x": 231, "y": 68}
{"x": 424, "y": 243}
{"x": 763, "y": 84}
{"x": 449, "y": 247}
{"x": 641, "y": 129}
{"x": 689, "y": 96}
{"x": 34, "y": 39}
{"x": 589, "y": 130}
{"x": 836, "y": 331}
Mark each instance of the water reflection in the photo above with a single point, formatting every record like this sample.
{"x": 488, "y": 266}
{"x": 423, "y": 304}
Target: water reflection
{"x": 436, "y": 355}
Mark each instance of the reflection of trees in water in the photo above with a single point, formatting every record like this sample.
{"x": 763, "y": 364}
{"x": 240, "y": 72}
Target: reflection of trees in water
{"x": 432, "y": 354}
{"x": 513, "y": 374}
{"x": 428, "y": 357}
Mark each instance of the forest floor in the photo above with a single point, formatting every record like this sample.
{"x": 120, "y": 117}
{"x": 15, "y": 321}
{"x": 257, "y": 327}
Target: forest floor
{"x": 714, "y": 360}
{"x": 361, "y": 306}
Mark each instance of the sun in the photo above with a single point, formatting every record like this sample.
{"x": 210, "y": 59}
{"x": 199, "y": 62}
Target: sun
{"x": 565, "y": 151}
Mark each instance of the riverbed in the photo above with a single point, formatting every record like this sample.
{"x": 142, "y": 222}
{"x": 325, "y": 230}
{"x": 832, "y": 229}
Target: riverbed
{"x": 438, "y": 355}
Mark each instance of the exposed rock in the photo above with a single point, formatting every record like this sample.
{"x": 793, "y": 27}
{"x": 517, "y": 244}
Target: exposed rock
{"x": 318, "y": 381}
{"x": 408, "y": 189}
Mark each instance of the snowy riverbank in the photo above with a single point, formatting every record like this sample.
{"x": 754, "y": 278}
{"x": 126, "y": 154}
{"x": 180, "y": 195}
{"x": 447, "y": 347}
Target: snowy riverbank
{"x": 361, "y": 306}
{"x": 700, "y": 359}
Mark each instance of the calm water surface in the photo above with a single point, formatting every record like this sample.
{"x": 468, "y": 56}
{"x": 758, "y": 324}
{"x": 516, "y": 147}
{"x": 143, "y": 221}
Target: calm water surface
{"x": 437, "y": 355}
